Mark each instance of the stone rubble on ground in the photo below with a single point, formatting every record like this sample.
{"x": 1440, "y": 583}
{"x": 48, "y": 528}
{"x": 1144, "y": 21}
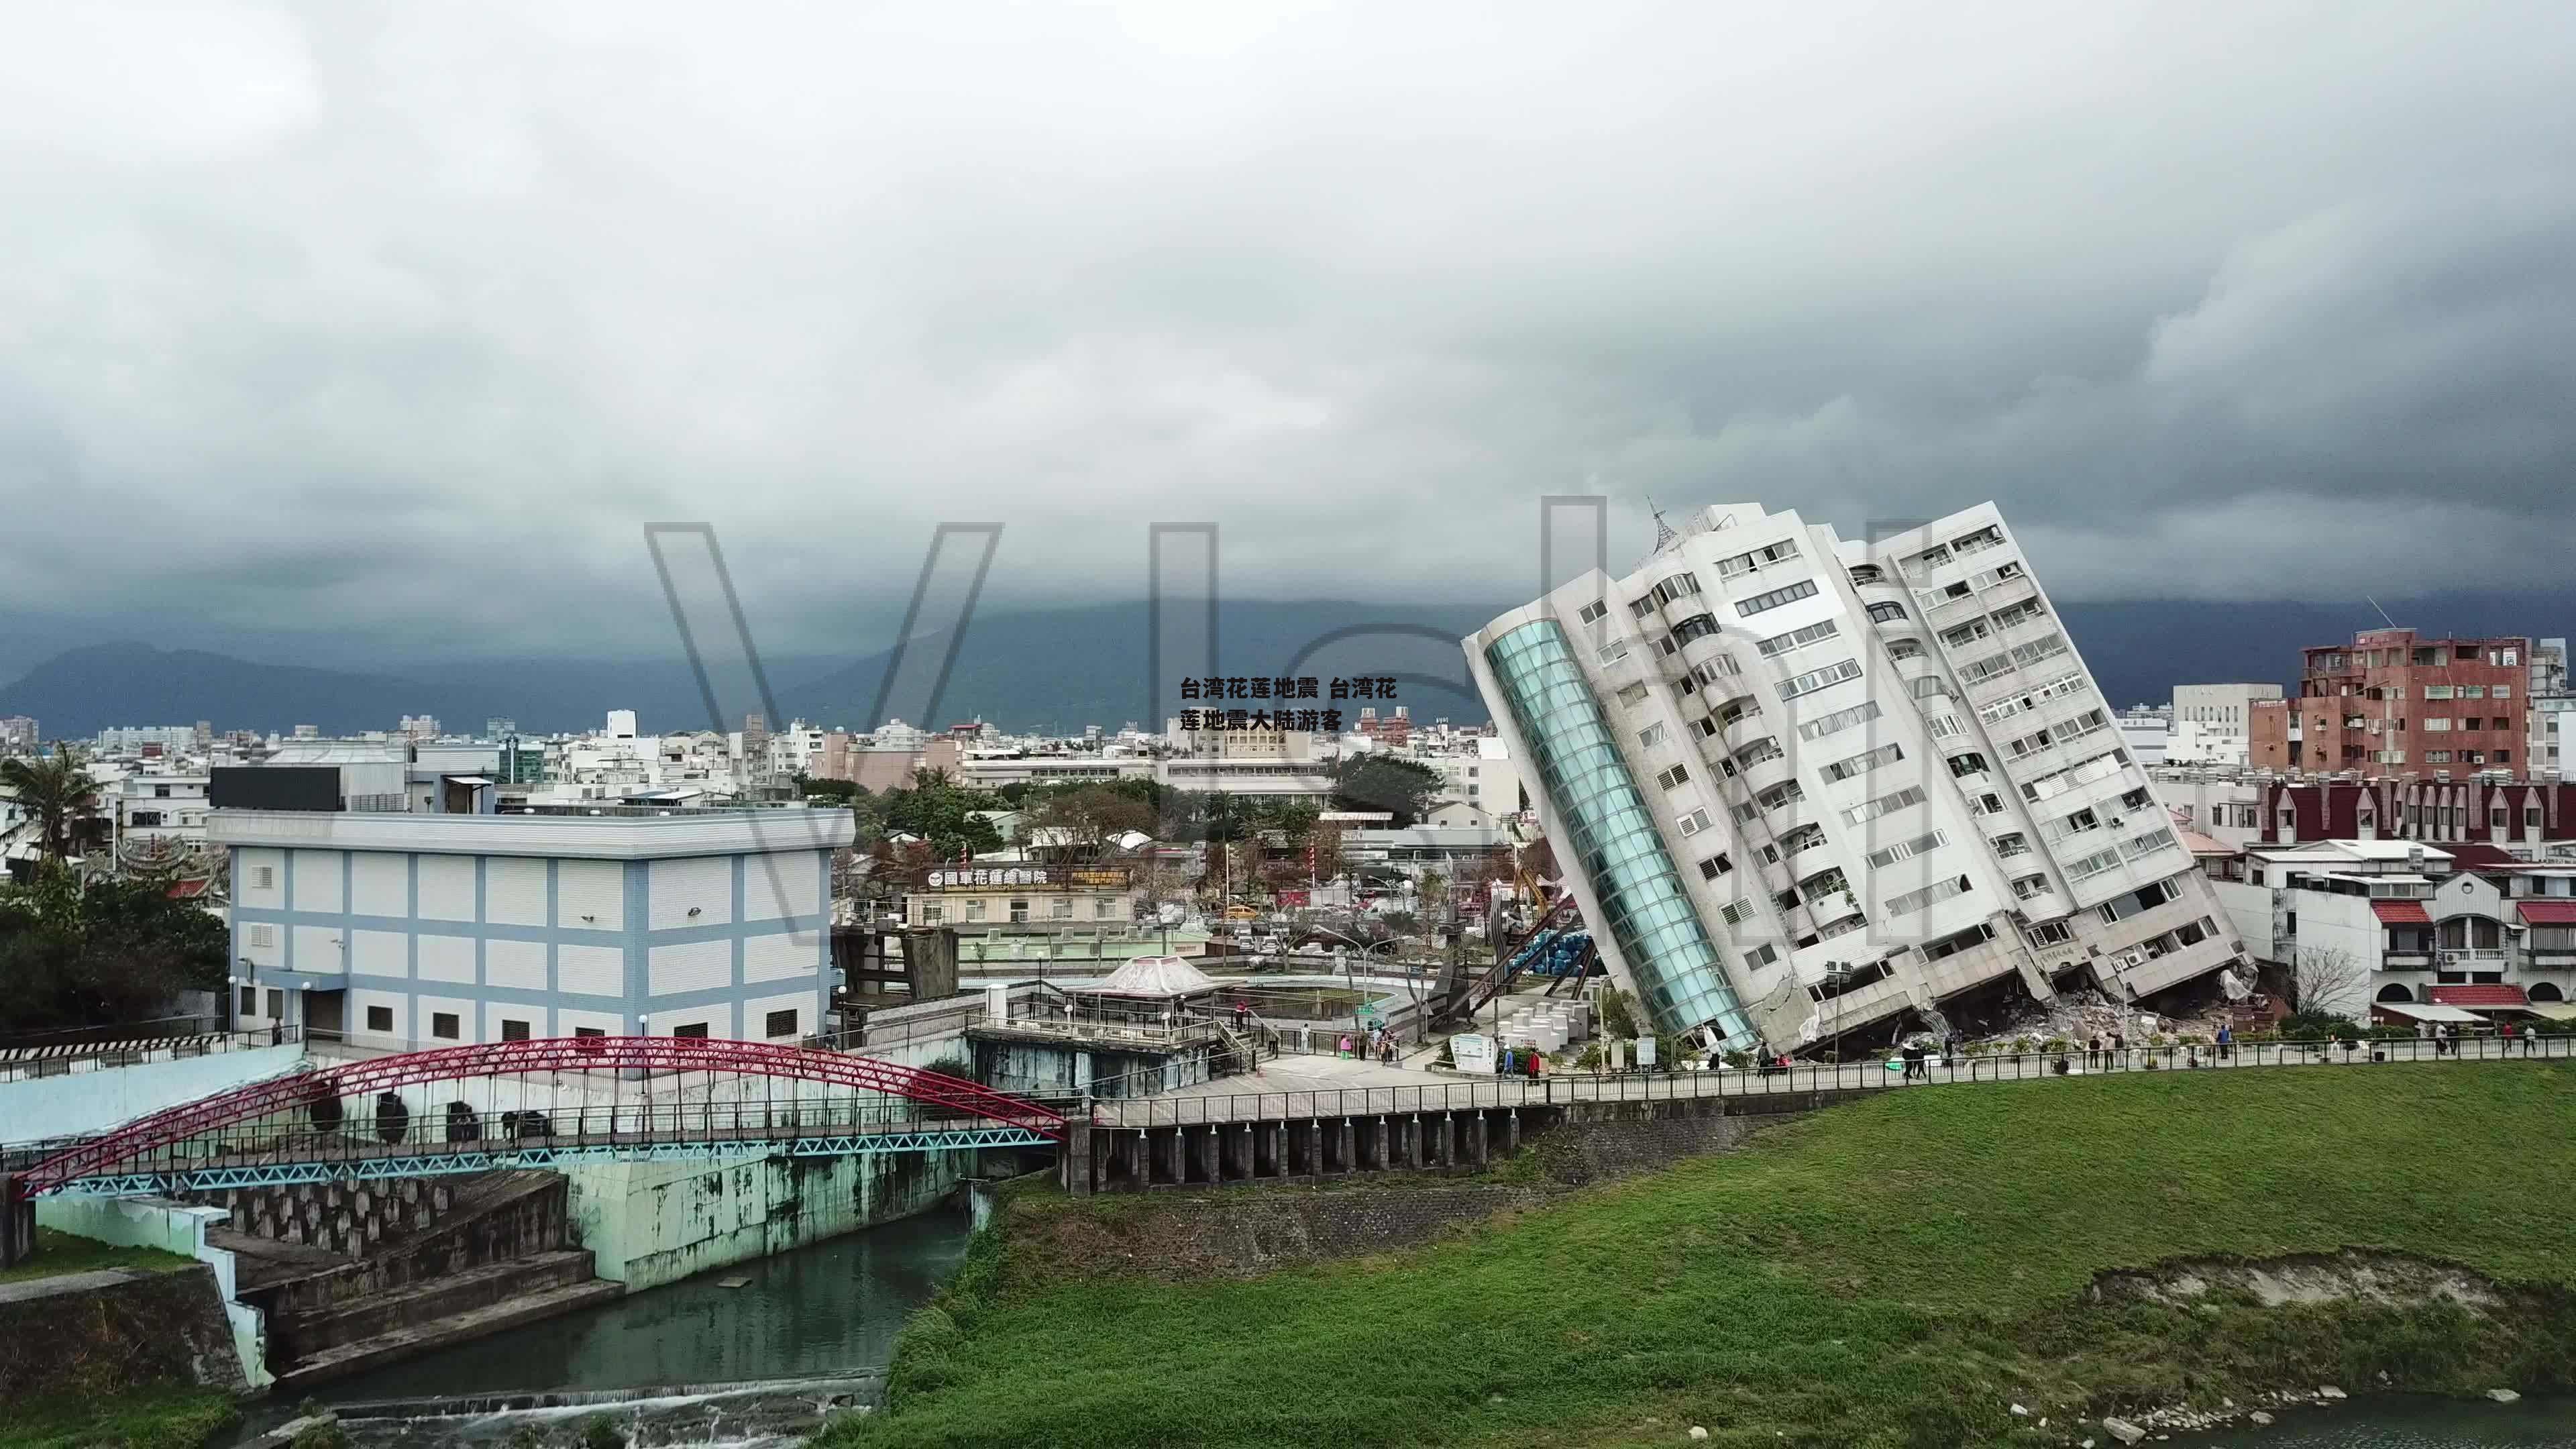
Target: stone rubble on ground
{"x": 2123, "y": 1430}
{"x": 2259, "y": 1417}
{"x": 2330, "y": 1392}
{"x": 2503, "y": 1396}
{"x": 1698, "y": 1433}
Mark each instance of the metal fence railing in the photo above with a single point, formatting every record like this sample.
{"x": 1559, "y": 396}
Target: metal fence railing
{"x": 59, "y": 1059}
{"x": 1558, "y": 1088}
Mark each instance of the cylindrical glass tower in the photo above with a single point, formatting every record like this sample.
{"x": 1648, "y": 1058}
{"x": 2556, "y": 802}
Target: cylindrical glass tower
{"x": 1678, "y": 972}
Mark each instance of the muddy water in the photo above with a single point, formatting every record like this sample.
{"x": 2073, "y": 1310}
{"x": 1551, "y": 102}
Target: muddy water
{"x": 2403, "y": 1422}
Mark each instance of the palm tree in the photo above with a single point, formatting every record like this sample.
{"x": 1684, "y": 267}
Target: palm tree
{"x": 57, "y": 792}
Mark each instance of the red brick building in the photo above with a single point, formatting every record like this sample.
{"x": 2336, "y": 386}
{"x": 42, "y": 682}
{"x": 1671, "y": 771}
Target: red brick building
{"x": 2267, "y": 735}
{"x": 2390, "y": 703}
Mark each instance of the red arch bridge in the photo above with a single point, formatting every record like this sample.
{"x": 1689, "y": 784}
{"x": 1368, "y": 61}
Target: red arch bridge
{"x": 543, "y": 1102}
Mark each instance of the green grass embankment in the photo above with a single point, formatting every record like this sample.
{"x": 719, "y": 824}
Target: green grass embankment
{"x": 152, "y": 1419}
{"x": 60, "y": 1253}
{"x": 1894, "y": 1272}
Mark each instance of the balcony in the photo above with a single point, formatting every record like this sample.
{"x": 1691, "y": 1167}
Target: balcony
{"x": 2406, "y": 961}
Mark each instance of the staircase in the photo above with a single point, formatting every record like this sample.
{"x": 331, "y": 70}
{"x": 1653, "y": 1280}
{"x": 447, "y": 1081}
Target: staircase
{"x": 1462, "y": 995}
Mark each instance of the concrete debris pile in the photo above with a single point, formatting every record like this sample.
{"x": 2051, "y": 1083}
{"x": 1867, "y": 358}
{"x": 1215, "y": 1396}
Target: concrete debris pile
{"x": 2077, "y": 1016}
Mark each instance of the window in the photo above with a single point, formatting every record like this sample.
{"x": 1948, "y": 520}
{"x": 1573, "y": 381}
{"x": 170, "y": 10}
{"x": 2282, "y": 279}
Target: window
{"x": 2021, "y": 613}
{"x": 277, "y": 1006}
{"x": 1779, "y": 644}
{"x": 1759, "y": 752}
{"x": 931, "y": 913}
{"x": 1931, "y": 686}
{"x": 1864, "y": 762}
{"x": 2501, "y": 691}
{"x": 247, "y": 1004}
{"x": 2051, "y": 933}
{"x": 442, "y": 1025}
{"x": 1788, "y": 792}
{"x": 2094, "y": 864}
{"x": 1060, "y": 908}
{"x": 1593, "y": 612}
{"x": 1943, "y": 726}
{"x": 1761, "y": 956}
{"x": 2473, "y": 691}
{"x": 1713, "y": 671}
{"x": 2024, "y": 887}
{"x": 1907, "y": 849}
{"x": 263, "y": 877}
{"x": 2008, "y": 846}
{"x": 513, "y": 1030}
{"x": 695, "y": 1030}
{"x": 1640, "y": 608}
{"x": 1674, "y": 778}
{"x": 1694, "y": 823}
{"x": 1886, "y": 613}
{"x": 1933, "y": 894}
{"x": 1867, "y": 811}
{"x": 974, "y": 910}
{"x": 1651, "y": 736}
{"x": 1971, "y": 763}
{"x": 1736, "y": 713}
{"x": 261, "y": 936}
{"x": 1697, "y": 626}
{"x": 1899, "y": 650}
{"x": 1745, "y": 563}
{"x": 1677, "y": 587}
{"x": 1759, "y": 603}
{"x": 2501, "y": 723}
{"x": 1614, "y": 651}
{"x": 2039, "y": 649}
{"x": 1705, "y": 726}
{"x": 1815, "y": 679}
{"x": 779, "y": 1023}
{"x": 1715, "y": 866}
{"x": 1986, "y": 668}
{"x": 1838, "y": 721}
{"x": 1632, "y": 695}
{"x": 1737, "y": 912}
{"x": 584, "y": 1031}
{"x": 1965, "y": 634}
{"x": 1020, "y": 911}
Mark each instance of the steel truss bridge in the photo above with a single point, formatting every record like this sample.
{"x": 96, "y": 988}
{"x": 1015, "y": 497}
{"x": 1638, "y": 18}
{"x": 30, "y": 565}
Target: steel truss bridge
{"x": 348, "y": 1122}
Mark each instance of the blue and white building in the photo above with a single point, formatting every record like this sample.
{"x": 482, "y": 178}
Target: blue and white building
{"x": 432, "y": 930}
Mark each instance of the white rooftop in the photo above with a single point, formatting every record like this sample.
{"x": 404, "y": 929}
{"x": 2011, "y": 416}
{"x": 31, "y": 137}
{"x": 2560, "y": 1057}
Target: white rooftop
{"x": 621, "y": 836}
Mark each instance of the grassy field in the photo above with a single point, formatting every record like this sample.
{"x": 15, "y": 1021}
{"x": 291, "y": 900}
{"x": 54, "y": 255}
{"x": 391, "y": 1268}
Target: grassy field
{"x": 1895, "y": 1272}
{"x": 58, "y": 1253}
{"x": 171, "y": 1419}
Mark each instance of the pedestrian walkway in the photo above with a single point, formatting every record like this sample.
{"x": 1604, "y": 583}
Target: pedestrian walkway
{"x": 1338, "y": 1086}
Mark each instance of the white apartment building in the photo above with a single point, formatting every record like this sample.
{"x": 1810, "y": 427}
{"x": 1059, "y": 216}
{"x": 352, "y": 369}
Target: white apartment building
{"x": 1478, "y": 787}
{"x": 2212, "y": 723}
{"x": 1801, "y": 784}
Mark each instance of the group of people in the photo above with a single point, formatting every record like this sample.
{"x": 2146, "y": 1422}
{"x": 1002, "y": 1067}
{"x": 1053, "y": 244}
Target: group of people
{"x": 1374, "y": 1041}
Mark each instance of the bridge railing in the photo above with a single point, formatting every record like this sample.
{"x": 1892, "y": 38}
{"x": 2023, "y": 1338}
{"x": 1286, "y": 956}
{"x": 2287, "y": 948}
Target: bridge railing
{"x": 1876, "y": 1074}
{"x": 354, "y": 1137}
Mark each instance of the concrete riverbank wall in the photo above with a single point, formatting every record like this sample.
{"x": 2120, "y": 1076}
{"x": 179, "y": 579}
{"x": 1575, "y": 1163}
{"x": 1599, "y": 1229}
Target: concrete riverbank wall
{"x": 115, "y": 1331}
{"x": 1593, "y": 1138}
{"x": 173, "y": 1227}
{"x": 648, "y": 1223}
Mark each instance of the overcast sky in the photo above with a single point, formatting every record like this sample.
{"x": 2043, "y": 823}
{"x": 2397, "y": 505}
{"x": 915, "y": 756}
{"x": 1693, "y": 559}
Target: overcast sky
{"x": 398, "y": 322}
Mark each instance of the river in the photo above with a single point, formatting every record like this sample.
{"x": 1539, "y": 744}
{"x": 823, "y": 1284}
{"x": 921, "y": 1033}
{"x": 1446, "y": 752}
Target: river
{"x": 752, "y": 1365}
{"x": 2400, "y": 1421}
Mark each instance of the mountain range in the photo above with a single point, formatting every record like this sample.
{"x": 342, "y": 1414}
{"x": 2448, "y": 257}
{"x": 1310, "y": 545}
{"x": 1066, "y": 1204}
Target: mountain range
{"x": 1060, "y": 669}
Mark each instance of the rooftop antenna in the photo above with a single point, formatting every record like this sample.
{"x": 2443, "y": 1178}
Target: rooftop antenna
{"x": 2383, "y": 613}
{"x": 1664, "y": 536}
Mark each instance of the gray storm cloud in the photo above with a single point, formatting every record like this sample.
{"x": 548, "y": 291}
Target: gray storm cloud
{"x": 401, "y": 321}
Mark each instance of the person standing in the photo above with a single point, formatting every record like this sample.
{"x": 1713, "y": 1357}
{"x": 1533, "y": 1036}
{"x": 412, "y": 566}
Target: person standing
{"x": 2119, "y": 1056}
{"x": 2226, "y": 1041}
{"x": 2528, "y": 1033}
{"x": 2093, "y": 1052}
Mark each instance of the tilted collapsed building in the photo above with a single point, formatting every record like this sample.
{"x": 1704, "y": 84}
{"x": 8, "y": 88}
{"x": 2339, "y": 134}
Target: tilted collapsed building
{"x": 1799, "y": 784}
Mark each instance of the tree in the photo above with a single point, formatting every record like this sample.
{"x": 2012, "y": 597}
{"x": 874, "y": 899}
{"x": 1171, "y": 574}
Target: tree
{"x": 2323, "y": 980}
{"x": 1324, "y": 843}
{"x": 1089, "y": 816}
{"x": 57, "y": 792}
{"x": 942, "y": 812}
{"x": 108, "y": 952}
{"x": 1372, "y": 781}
